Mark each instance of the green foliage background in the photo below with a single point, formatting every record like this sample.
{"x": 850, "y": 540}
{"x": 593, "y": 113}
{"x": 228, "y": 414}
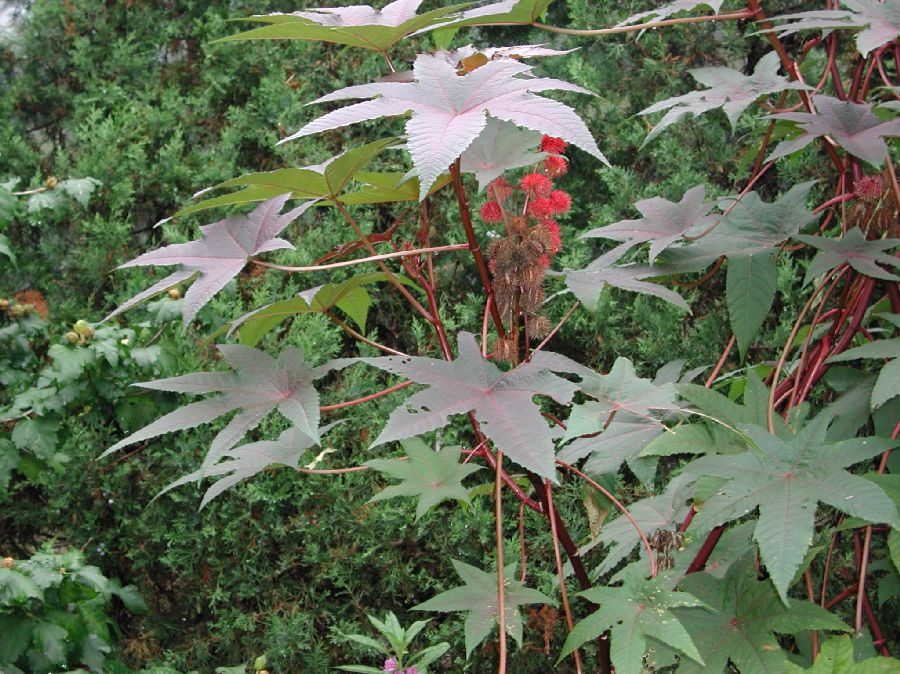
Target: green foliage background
{"x": 135, "y": 94}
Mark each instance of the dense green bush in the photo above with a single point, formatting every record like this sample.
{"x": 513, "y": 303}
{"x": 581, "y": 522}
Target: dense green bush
{"x": 137, "y": 96}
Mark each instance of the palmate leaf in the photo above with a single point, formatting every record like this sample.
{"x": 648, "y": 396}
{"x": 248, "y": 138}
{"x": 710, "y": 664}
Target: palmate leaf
{"x": 355, "y": 26}
{"x": 880, "y": 22}
{"x": 479, "y": 596}
{"x": 633, "y": 612}
{"x": 670, "y": 9}
{"x": 851, "y": 125}
{"x": 728, "y": 89}
{"x": 836, "y": 657}
{"x": 503, "y": 12}
{"x": 501, "y": 401}
{"x": 664, "y": 222}
{"x": 661, "y": 511}
{"x": 746, "y": 616}
{"x": 854, "y": 249}
{"x": 259, "y": 385}
{"x": 587, "y": 284}
{"x": 431, "y": 476}
{"x": 888, "y": 384}
{"x": 786, "y": 480}
{"x": 349, "y": 296}
{"x": 218, "y": 256}
{"x": 316, "y": 181}
{"x": 245, "y": 461}
{"x": 450, "y": 111}
{"x": 638, "y": 406}
{"x": 502, "y": 146}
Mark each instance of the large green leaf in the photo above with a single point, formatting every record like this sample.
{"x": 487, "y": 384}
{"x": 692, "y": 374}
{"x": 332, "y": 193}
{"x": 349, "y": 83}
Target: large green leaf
{"x": 786, "y": 480}
{"x": 429, "y": 475}
{"x": 749, "y": 293}
{"x": 349, "y": 296}
{"x": 745, "y": 617}
{"x": 383, "y": 188}
{"x": 480, "y": 597}
{"x": 836, "y": 657}
{"x": 888, "y": 383}
{"x": 319, "y": 181}
{"x": 634, "y": 612}
{"x": 5, "y": 249}
{"x": 358, "y": 26}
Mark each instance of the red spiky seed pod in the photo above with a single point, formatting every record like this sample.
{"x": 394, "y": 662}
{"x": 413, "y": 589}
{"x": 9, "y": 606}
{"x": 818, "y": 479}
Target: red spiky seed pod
{"x": 554, "y": 236}
{"x": 556, "y": 166}
{"x": 869, "y": 188}
{"x": 553, "y": 145}
{"x": 536, "y": 185}
{"x": 560, "y": 202}
{"x": 541, "y": 208}
{"x": 491, "y": 212}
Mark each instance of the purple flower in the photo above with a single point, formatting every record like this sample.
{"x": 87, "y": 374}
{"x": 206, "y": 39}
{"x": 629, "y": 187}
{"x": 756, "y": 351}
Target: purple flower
{"x": 412, "y": 670}
{"x": 390, "y": 665}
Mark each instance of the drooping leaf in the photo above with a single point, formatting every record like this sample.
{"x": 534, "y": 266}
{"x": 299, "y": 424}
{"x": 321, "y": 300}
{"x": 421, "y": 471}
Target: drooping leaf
{"x": 502, "y": 146}
{"x": 243, "y": 462}
{"x": 382, "y": 188}
{"x": 218, "y": 256}
{"x": 479, "y": 596}
{"x": 880, "y": 22}
{"x": 728, "y": 89}
{"x": 750, "y": 286}
{"x": 661, "y": 511}
{"x": 786, "y": 480}
{"x": 450, "y": 111}
{"x": 316, "y": 181}
{"x": 888, "y": 383}
{"x": 5, "y": 249}
{"x": 355, "y": 26}
{"x": 431, "y": 476}
{"x": 587, "y": 284}
{"x": 633, "y": 612}
{"x": 259, "y": 385}
{"x": 747, "y": 613}
{"x": 851, "y": 125}
{"x": 664, "y": 222}
{"x": 836, "y": 657}
{"x": 501, "y": 401}
{"x": 349, "y": 296}
{"x": 854, "y": 249}
{"x": 670, "y": 9}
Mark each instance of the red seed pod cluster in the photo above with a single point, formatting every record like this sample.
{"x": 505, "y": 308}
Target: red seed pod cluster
{"x": 519, "y": 258}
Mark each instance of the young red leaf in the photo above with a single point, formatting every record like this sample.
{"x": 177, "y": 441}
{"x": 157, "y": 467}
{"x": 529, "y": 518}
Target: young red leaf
{"x": 258, "y": 386}
{"x": 851, "y": 125}
{"x": 501, "y": 401}
{"x": 450, "y": 111}
{"x": 729, "y": 89}
{"x": 671, "y": 8}
{"x": 879, "y": 21}
{"x": 218, "y": 256}
{"x": 664, "y": 221}
{"x": 854, "y": 249}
